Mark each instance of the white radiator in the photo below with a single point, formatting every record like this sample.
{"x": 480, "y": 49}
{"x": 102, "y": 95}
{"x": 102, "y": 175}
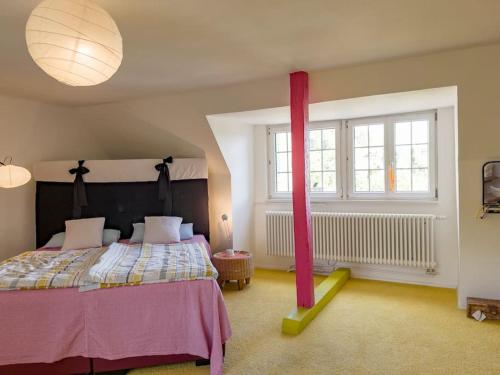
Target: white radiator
{"x": 392, "y": 239}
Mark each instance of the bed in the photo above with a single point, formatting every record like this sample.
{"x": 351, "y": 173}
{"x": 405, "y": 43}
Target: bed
{"x": 66, "y": 331}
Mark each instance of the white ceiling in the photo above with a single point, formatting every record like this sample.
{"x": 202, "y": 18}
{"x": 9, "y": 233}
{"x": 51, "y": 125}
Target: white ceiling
{"x": 175, "y": 45}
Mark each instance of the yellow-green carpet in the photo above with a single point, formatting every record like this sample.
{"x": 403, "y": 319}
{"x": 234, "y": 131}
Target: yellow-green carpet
{"x": 370, "y": 327}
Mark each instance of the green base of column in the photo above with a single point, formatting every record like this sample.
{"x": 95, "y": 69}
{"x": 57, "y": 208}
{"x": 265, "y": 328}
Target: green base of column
{"x": 300, "y": 317}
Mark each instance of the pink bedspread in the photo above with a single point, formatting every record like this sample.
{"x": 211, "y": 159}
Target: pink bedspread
{"x": 185, "y": 317}
{"x": 157, "y": 319}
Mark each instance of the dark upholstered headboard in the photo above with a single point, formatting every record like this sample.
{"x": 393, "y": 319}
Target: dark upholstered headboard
{"x": 121, "y": 203}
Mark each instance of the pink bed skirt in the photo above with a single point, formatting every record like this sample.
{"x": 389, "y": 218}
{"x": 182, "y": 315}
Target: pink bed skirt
{"x": 186, "y": 317}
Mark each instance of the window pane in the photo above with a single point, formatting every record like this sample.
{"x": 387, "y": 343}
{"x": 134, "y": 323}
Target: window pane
{"x": 329, "y": 181}
{"x": 361, "y": 136}
{"x": 361, "y": 158}
{"x": 412, "y": 160}
{"x": 369, "y": 162}
{"x": 282, "y": 182}
{"x": 376, "y": 157}
{"x": 421, "y": 179}
{"x": 420, "y": 156}
{"x": 322, "y": 157}
{"x": 376, "y": 135}
{"x": 329, "y": 160}
{"x": 403, "y": 156}
{"x": 315, "y": 140}
{"x": 420, "y": 132}
{"x": 328, "y": 139}
{"x": 281, "y": 144}
{"x": 361, "y": 182}
{"x": 315, "y": 160}
{"x": 403, "y": 180}
{"x": 403, "y": 133}
{"x": 377, "y": 181}
{"x": 316, "y": 183}
{"x": 282, "y": 162}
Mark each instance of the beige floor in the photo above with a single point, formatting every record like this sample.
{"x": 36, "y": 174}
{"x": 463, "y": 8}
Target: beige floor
{"x": 370, "y": 327}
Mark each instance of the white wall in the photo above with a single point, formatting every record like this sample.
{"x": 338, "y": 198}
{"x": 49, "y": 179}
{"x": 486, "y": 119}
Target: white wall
{"x": 446, "y": 205}
{"x": 235, "y": 141}
{"x": 31, "y": 131}
{"x": 133, "y": 137}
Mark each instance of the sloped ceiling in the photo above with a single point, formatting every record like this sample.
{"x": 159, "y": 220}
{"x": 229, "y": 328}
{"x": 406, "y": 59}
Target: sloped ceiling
{"x": 125, "y": 136}
{"x": 176, "y": 45}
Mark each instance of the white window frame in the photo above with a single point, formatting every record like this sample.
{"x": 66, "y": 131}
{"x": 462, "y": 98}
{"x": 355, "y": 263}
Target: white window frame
{"x": 344, "y": 158}
{"x": 271, "y": 146}
{"x": 430, "y": 116}
{"x": 350, "y": 125}
{"x": 389, "y": 147}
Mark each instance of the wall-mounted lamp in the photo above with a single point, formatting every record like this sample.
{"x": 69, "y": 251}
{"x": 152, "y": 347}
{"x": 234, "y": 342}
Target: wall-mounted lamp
{"x": 12, "y": 176}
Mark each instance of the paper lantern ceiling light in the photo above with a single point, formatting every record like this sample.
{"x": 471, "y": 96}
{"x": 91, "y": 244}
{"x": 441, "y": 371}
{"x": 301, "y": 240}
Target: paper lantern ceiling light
{"x": 74, "y": 41}
{"x": 12, "y": 176}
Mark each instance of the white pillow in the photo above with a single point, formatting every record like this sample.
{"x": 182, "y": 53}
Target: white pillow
{"x": 137, "y": 234}
{"x": 186, "y": 232}
{"x": 83, "y": 233}
{"x": 57, "y": 240}
{"x": 108, "y": 237}
{"x": 162, "y": 229}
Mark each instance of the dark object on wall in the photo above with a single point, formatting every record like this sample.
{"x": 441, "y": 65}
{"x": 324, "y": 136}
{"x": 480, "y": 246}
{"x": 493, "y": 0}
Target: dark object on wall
{"x": 491, "y": 186}
{"x": 79, "y": 193}
{"x": 490, "y": 307}
{"x": 121, "y": 204}
{"x": 164, "y": 185}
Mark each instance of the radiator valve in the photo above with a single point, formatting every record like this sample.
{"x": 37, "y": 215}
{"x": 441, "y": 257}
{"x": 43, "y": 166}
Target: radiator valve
{"x": 430, "y": 271}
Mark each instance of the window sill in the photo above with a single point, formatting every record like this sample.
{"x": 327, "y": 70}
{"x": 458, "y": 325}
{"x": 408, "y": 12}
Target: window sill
{"x": 353, "y": 200}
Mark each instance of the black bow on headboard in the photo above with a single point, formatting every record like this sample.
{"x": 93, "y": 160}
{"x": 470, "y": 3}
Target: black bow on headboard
{"x": 79, "y": 193}
{"x": 164, "y": 184}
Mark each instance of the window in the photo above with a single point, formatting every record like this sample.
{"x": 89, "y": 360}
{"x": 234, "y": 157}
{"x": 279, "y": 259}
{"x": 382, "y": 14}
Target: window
{"x": 283, "y": 154}
{"x": 323, "y": 158}
{"x": 386, "y": 157}
{"x": 369, "y": 158}
{"x": 411, "y": 156}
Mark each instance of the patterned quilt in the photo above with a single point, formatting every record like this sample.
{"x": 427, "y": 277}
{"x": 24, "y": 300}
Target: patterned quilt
{"x": 124, "y": 264}
{"x": 47, "y": 269}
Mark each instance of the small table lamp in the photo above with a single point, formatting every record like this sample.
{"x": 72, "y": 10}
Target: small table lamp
{"x": 226, "y": 229}
{"x": 12, "y": 176}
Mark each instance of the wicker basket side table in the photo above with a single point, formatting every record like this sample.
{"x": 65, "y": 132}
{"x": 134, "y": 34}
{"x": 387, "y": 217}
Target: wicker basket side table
{"x": 237, "y": 267}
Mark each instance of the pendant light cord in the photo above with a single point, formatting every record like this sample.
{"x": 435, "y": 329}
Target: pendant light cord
{"x": 6, "y": 161}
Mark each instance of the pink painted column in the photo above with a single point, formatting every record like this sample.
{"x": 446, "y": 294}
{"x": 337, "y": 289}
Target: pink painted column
{"x": 299, "y": 103}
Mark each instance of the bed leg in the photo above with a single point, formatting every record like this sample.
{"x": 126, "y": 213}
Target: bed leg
{"x": 206, "y": 362}
{"x": 202, "y": 362}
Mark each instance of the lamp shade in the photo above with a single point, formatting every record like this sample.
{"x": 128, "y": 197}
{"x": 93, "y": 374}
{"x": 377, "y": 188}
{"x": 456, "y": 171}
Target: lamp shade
{"x": 12, "y": 176}
{"x": 74, "y": 41}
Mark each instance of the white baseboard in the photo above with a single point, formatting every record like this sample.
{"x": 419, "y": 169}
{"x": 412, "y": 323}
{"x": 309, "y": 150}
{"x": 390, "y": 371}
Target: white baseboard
{"x": 380, "y": 273}
{"x": 372, "y": 273}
